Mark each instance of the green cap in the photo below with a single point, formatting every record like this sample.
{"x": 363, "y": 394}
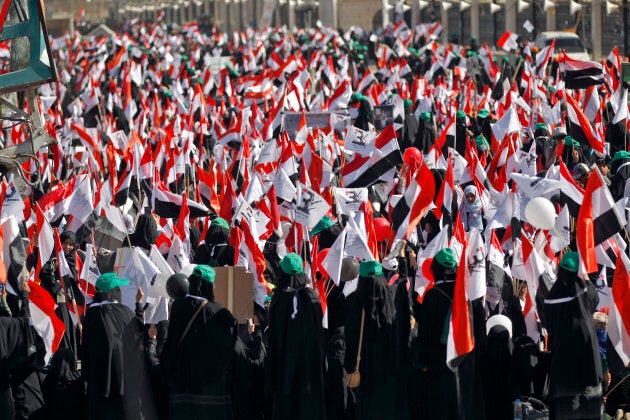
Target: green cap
{"x": 460, "y": 114}
{"x": 219, "y": 221}
{"x": 570, "y": 261}
{"x": 482, "y": 143}
{"x": 425, "y": 116}
{"x": 370, "y": 269}
{"x": 483, "y": 113}
{"x": 541, "y": 126}
{"x": 292, "y": 264}
{"x": 621, "y": 154}
{"x": 204, "y": 272}
{"x": 470, "y": 53}
{"x": 446, "y": 258}
{"x": 361, "y": 57}
{"x": 505, "y": 59}
{"x": 407, "y": 103}
{"x": 109, "y": 281}
{"x": 359, "y": 97}
{"x": 324, "y": 223}
{"x": 570, "y": 141}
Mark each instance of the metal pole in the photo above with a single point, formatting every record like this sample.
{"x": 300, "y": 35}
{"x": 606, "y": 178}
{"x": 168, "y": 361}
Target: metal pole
{"x": 461, "y": 27}
{"x": 624, "y": 5}
{"x": 533, "y": 6}
{"x": 494, "y": 27}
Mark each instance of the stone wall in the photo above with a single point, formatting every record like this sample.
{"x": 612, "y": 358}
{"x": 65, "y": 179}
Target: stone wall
{"x": 358, "y": 13}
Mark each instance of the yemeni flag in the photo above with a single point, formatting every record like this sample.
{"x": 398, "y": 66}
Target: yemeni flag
{"x": 168, "y": 204}
{"x": 475, "y": 266}
{"x": 508, "y": 41}
{"x": 543, "y": 57}
{"x": 571, "y": 193}
{"x": 580, "y": 128}
{"x": 43, "y": 317}
{"x": 207, "y": 187}
{"x": 597, "y": 221}
{"x": 527, "y": 265}
{"x": 531, "y": 318}
{"x": 55, "y": 203}
{"x": 498, "y": 273}
{"x": 424, "y": 277}
{"x": 460, "y": 340}
{"x": 414, "y": 203}
{"x": 179, "y": 254}
{"x": 364, "y": 171}
{"x": 89, "y": 272}
{"x": 45, "y": 239}
{"x": 341, "y": 97}
{"x": 251, "y": 256}
{"x": 13, "y": 252}
{"x": 446, "y": 202}
{"x": 618, "y": 327}
{"x": 579, "y": 74}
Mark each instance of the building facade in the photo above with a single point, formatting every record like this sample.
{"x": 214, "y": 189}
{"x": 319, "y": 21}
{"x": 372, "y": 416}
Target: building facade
{"x": 601, "y": 24}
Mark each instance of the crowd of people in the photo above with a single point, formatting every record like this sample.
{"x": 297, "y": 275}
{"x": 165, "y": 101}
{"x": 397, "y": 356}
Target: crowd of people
{"x": 432, "y": 231}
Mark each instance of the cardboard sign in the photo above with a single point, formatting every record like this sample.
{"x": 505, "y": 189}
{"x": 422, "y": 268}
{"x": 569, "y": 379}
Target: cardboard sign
{"x": 319, "y": 119}
{"x": 217, "y": 64}
{"x": 383, "y": 116}
{"x": 234, "y": 289}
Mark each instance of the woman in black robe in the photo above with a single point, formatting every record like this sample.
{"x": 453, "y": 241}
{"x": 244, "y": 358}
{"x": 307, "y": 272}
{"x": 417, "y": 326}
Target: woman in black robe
{"x": 110, "y": 354}
{"x": 15, "y": 345}
{"x": 295, "y": 368}
{"x": 433, "y": 313}
{"x": 425, "y": 135}
{"x": 381, "y": 393}
{"x": 576, "y": 369}
{"x": 196, "y": 359}
{"x": 497, "y": 367}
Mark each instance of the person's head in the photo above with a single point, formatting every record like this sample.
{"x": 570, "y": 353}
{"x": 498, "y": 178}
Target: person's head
{"x": 541, "y": 130}
{"x": 444, "y": 265}
{"x": 292, "y": 273}
{"x": 145, "y": 232}
{"x": 558, "y": 135}
{"x": 580, "y": 174}
{"x": 483, "y": 114}
{"x": 218, "y": 231}
{"x": 620, "y": 157}
{"x": 108, "y": 287}
{"x": 68, "y": 241}
{"x": 201, "y": 281}
{"x": 602, "y": 164}
{"x": 569, "y": 262}
{"x": 471, "y": 194}
{"x": 425, "y": 117}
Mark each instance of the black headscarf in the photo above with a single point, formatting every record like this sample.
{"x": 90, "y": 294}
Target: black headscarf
{"x": 145, "y": 233}
{"x": 377, "y": 300}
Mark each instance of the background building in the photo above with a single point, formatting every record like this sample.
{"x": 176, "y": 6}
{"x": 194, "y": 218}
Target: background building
{"x": 600, "y": 23}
